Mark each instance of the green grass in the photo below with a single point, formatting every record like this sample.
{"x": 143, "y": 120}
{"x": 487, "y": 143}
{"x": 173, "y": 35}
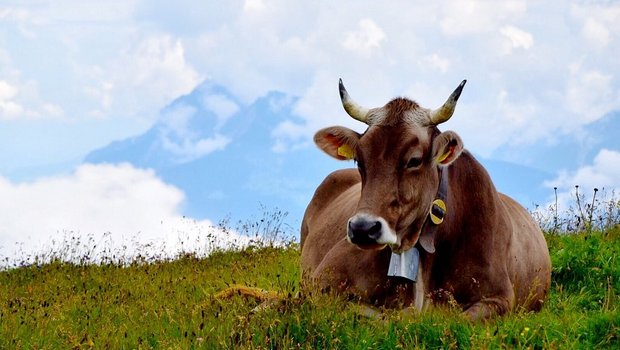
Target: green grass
{"x": 171, "y": 305}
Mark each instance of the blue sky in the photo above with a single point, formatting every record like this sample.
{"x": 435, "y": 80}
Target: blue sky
{"x": 76, "y": 76}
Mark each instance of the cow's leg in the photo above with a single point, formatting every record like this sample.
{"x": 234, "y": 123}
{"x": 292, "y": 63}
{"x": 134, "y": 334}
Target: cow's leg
{"x": 363, "y": 275}
{"x": 330, "y": 279}
{"x": 487, "y": 308}
{"x": 332, "y": 275}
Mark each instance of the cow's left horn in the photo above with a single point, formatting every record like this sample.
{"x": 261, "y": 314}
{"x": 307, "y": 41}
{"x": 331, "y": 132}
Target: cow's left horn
{"x": 444, "y": 112}
{"x": 353, "y": 109}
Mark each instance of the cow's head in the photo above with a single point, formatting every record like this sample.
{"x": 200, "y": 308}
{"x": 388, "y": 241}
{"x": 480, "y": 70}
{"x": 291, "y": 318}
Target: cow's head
{"x": 398, "y": 157}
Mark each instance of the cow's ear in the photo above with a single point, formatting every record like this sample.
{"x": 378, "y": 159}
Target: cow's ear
{"x": 337, "y": 141}
{"x": 447, "y": 147}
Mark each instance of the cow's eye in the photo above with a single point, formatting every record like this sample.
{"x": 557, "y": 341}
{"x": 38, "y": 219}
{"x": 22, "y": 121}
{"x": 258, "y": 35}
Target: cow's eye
{"x": 414, "y": 162}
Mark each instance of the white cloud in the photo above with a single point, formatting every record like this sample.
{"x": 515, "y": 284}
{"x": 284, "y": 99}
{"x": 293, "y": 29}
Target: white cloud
{"x": 9, "y": 109}
{"x": 596, "y": 33}
{"x": 12, "y": 108}
{"x": 157, "y": 59}
{"x": 516, "y": 39}
{"x": 94, "y": 199}
{"x": 15, "y": 14}
{"x": 289, "y": 136}
{"x": 52, "y": 110}
{"x": 176, "y": 121}
{"x": 222, "y": 106}
{"x": 119, "y": 201}
{"x": 462, "y": 18}
{"x": 511, "y": 121}
{"x": 599, "y": 22}
{"x": 602, "y": 174}
{"x": 7, "y": 91}
{"x": 22, "y": 17}
{"x": 438, "y": 62}
{"x": 366, "y": 38}
{"x": 146, "y": 76}
{"x": 109, "y": 66}
{"x": 253, "y": 5}
{"x": 186, "y": 142}
{"x": 591, "y": 93}
{"x": 188, "y": 149}
{"x": 320, "y": 106}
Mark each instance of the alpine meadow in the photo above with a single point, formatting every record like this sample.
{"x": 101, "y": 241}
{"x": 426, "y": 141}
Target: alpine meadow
{"x": 249, "y": 297}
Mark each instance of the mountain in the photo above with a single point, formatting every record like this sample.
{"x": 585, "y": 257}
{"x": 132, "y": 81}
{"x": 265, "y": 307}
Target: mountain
{"x": 220, "y": 152}
{"x": 567, "y": 151}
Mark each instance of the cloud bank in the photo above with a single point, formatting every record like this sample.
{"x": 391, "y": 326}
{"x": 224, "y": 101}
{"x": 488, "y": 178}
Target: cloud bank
{"x": 123, "y": 62}
{"x": 119, "y": 202}
{"x": 603, "y": 174}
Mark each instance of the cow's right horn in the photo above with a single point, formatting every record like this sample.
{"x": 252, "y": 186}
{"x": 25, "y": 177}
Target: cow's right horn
{"x": 444, "y": 112}
{"x": 353, "y": 109}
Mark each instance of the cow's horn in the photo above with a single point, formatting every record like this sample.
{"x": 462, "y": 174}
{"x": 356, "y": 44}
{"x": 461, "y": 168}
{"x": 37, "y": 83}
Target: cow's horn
{"x": 444, "y": 112}
{"x": 353, "y": 109}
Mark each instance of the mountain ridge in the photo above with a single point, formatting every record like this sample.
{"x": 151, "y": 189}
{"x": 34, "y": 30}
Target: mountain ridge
{"x": 245, "y": 175}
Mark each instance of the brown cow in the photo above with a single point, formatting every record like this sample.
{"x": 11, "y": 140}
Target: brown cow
{"x": 452, "y": 236}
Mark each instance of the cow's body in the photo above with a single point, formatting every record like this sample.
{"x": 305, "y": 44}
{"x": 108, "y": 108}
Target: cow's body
{"x": 488, "y": 254}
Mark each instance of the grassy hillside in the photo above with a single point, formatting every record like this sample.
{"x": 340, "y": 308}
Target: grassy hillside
{"x": 174, "y": 305}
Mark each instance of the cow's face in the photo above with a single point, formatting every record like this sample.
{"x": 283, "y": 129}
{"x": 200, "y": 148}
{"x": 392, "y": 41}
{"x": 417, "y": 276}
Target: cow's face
{"x": 398, "y": 158}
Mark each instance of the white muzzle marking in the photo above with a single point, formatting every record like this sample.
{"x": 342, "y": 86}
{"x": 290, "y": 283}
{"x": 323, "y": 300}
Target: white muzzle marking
{"x": 385, "y": 235}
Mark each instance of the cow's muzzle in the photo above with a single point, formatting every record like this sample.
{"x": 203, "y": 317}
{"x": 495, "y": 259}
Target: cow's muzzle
{"x": 368, "y": 231}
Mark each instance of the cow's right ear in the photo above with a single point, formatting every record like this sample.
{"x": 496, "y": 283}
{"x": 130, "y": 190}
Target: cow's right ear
{"x": 447, "y": 147}
{"x": 337, "y": 141}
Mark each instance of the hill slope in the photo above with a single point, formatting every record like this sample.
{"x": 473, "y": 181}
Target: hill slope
{"x": 174, "y": 304}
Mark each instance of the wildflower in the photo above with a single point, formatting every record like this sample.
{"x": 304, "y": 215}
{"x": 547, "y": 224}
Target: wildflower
{"x": 525, "y": 331}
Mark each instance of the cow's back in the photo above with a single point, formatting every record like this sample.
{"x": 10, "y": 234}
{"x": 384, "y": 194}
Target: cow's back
{"x": 326, "y": 216}
{"x": 529, "y": 263}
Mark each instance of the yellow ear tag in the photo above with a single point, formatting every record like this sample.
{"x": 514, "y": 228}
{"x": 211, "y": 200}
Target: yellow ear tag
{"x": 445, "y": 156}
{"x": 346, "y": 151}
{"x": 438, "y": 211}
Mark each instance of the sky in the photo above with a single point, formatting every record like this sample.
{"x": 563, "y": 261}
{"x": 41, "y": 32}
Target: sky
{"x": 76, "y": 76}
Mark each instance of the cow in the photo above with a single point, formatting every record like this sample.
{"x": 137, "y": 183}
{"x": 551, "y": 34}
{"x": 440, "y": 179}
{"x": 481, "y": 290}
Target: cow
{"x": 419, "y": 222}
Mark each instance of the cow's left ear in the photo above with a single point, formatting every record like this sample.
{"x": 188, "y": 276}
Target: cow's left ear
{"x": 447, "y": 147}
{"x": 337, "y": 141}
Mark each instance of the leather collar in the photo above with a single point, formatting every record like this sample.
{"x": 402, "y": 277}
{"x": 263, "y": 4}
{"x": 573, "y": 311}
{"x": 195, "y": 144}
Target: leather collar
{"x": 406, "y": 263}
{"x": 436, "y": 214}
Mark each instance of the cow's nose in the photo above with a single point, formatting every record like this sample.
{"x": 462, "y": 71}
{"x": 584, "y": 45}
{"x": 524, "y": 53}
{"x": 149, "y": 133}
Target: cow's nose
{"x": 363, "y": 230}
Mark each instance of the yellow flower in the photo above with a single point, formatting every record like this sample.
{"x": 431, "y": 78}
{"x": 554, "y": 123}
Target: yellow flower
{"x": 525, "y": 331}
